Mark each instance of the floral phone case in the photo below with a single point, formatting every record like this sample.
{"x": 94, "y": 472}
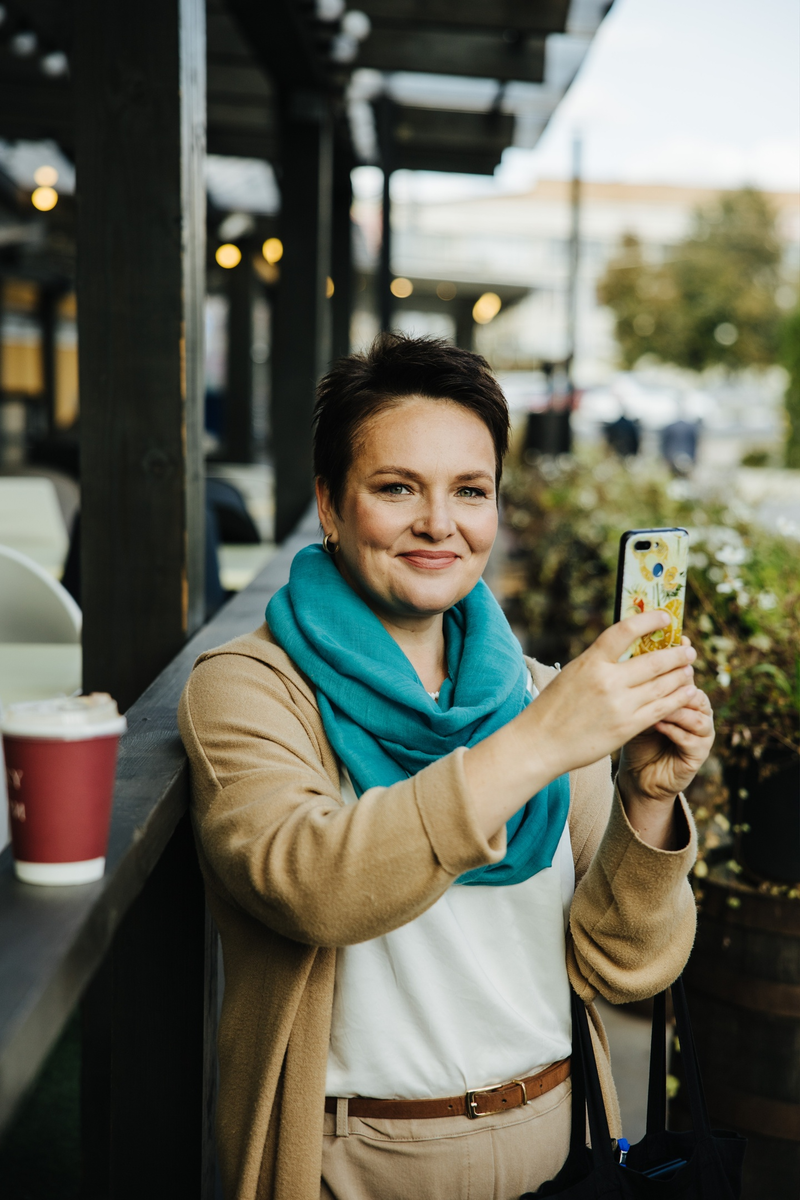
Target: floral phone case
{"x": 652, "y": 575}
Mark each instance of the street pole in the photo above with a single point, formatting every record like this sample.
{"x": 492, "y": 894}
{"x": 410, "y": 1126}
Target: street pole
{"x": 574, "y": 262}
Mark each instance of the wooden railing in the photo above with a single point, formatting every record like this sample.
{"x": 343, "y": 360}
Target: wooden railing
{"x": 136, "y": 950}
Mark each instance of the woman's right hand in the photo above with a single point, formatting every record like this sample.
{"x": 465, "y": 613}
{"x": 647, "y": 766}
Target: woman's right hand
{"x": 596, "y": 703}
{"x": 594, "y": 706}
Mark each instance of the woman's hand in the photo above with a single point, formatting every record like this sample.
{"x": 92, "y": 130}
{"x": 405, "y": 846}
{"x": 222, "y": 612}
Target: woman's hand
{"x": 594, "y": 706}
{"x": 662, "y": 761}
{"x": 598, "y": 704}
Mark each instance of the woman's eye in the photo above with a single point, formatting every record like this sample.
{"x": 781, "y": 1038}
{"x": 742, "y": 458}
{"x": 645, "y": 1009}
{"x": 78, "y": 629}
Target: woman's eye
{"x": 396, "y": 489}
{"x": 471, "y": 493}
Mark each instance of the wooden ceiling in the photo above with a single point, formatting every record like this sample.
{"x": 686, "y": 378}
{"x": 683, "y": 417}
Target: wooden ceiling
{"x": 258, "y": 47}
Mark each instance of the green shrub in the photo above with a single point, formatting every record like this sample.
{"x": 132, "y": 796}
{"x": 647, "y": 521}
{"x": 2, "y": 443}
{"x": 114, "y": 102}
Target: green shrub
{"x": 743, "y": 593}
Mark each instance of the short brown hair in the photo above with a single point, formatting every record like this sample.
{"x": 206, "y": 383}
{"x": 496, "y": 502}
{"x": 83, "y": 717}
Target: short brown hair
{"x": 359, "y": 386}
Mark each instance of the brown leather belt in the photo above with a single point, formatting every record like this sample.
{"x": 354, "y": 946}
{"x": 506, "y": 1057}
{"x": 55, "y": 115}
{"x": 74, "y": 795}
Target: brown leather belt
{"x": 479, "y": 1103}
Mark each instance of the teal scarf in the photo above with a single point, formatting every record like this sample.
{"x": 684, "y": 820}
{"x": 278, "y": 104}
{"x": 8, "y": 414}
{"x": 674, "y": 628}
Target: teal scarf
{"x": 379, "y": 719}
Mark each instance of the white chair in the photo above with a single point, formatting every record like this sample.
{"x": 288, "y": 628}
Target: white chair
{"x": 31, "y": 521}
{"x": 36, "y": 612}
{"x": 34, "y": 607}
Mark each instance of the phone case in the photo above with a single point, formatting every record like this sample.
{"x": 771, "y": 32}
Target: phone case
{"x": 652, "y": 575}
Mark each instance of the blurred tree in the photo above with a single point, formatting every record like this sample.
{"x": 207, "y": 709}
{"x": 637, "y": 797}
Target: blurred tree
{"x": 712, "y": 300}
{"x": 790, "y": 357}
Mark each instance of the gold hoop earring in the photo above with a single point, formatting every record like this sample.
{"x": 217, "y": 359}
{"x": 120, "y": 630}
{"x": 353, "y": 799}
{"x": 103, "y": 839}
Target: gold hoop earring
{"x": 328, "y": 546}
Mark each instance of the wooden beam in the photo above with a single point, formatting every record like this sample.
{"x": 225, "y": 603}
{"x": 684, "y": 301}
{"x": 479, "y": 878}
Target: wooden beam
{"x": 525, "y": 16}
{"x": 341, "y": 250}
{"x": 280, "y": 35}
{"x": 384, "y": 115}
{"x": 301, "y": 345}
{"x": 442, "y": 140}
{"x": 485, "y": 55}
{"x": 464, "y": 162}
{"x": 144, "y": 1018}
{"x": 440, "y": 128}
{"x": 139, "y": 83}
{"x": 236, "y": 142}
{"x": 35, "y": 109}
{"x": 238, "y": 409}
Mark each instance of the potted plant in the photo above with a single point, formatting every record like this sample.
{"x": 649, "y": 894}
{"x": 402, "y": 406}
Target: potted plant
{"x": 565, "y": 516}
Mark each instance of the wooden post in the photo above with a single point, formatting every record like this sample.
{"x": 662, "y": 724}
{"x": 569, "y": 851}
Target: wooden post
{"x": 238, "y": 411}
{"x": 301, "y": 347}
{"x": 139, "y": 83}
{"x": 385, "y": 301}
{"x": 146, "y": 1117}
{"x": 48, "y": 314}
{"x": 465, "y": 325}
{"x": 342, "y": 251}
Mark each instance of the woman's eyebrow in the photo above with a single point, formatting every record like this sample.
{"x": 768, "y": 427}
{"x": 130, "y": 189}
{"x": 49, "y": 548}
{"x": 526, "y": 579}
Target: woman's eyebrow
{"x": 466, "y": 476}
{"x": 407, "y": 473}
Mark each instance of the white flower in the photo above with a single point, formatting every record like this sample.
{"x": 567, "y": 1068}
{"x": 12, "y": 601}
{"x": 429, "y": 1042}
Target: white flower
{"x": 761, "y": 642}
{"x": 725, "y": 587}
{"x": 732, "y": 556}
{"x": 698, "y": 559}
{"x": 679, "y": 489}
{"x": 767, "y": 600}
{"x": 742, "y": 599}
{"x": 788, "y": 527}
{"x": 723, "y": 677}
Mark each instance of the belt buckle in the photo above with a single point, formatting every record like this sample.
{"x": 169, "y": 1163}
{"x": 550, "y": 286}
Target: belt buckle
{"x": 471, "y": 1103}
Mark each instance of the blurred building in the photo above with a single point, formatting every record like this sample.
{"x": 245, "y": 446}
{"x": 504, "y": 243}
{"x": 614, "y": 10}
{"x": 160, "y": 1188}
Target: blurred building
{"x": 523, "y": 241}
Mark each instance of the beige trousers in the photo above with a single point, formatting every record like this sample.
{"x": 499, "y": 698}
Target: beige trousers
{"x": 448, "y": 1158}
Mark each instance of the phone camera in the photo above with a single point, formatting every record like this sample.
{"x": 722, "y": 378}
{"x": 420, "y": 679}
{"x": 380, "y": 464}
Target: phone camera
{"x": 658, "y": 570}
{"x": 642, "y": 545}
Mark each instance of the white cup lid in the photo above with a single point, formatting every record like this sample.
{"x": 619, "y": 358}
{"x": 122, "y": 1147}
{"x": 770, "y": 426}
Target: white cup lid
{"x": 66, "y": 717}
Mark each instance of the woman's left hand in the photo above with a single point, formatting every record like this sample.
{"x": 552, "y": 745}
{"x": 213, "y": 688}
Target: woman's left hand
{"x": 664, "y": 760}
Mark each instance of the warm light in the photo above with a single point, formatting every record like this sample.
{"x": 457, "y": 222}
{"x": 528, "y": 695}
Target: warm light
{"x": 486, "y": 308}
{"x": 46, "y": 176}
{"x": 328, "y": 287}
{"x": 272, "y": 250}
{"x": 401, "y": 287}
{"x": 228, "y": 255}
{"x": 446, "y": 291}
{"x": 44, "y": 198}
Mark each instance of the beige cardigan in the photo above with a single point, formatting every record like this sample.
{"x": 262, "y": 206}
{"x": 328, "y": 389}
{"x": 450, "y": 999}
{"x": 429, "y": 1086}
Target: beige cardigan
{"x": 291, "y": 873}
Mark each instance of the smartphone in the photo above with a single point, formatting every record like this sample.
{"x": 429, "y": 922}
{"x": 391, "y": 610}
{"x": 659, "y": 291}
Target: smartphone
{"x": 652, "y": 575}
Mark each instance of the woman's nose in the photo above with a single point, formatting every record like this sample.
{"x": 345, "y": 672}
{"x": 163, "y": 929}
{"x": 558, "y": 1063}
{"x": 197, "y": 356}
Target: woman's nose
{"x": 435, "y": 521}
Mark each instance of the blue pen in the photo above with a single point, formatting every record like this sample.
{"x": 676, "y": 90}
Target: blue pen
{"x": 624, "y": 1147}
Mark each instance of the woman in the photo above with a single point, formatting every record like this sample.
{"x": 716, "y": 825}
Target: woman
{"x": 409, "y": 834}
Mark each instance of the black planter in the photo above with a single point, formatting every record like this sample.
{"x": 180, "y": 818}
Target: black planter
{"x": 548, "y": 432}
{"x": 765, "y": 797}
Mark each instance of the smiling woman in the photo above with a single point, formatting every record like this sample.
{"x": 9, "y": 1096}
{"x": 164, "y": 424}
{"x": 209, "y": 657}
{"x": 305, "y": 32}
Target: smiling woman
{"x": 410, "y": 837}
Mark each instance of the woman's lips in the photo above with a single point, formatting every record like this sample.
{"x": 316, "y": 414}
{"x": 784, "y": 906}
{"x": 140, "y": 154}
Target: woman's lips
{"x": 430, "y": 560}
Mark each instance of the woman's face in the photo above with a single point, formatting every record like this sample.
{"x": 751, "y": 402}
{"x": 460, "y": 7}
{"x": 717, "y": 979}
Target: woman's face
{"x": 419, "y": 511}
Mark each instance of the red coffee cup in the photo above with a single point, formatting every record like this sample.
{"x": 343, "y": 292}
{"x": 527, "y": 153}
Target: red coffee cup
{"x": 61, "y": 758}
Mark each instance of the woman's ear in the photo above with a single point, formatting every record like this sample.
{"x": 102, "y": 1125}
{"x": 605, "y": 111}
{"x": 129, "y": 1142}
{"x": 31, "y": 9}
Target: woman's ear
{"x": 324, "y": 506}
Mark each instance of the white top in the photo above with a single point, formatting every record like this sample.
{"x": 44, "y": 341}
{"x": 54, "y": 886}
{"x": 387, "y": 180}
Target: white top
{"x": 472, "y": 993}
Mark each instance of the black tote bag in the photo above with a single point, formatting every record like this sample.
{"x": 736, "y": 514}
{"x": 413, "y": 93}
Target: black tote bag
{"x": 711, "y": 1159}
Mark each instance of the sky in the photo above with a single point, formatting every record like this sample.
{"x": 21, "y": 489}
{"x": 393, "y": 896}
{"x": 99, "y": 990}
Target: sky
{"x": 703, "y": 92}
